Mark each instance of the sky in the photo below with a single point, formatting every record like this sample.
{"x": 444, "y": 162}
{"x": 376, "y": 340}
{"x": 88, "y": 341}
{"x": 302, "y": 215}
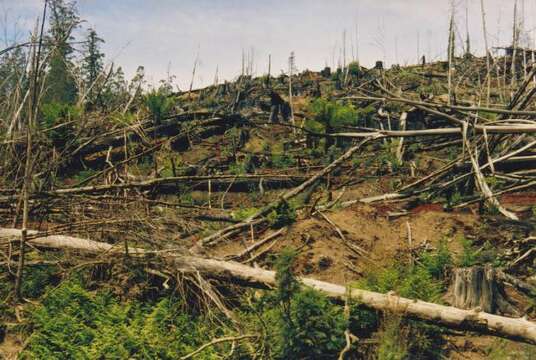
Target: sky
{"x": 166, "y": 36}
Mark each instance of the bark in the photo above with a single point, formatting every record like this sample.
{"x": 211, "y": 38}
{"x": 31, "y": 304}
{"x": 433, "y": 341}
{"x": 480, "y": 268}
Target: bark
{"x": 475, "y": 287}
{"x": 519, "y": 329}
{"x": 479, "y": 287}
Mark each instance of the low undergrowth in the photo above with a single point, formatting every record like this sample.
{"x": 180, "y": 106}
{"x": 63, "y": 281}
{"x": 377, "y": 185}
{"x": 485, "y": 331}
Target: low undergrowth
{"x": 73, "y": 322}
{"x": 422, "y": 278}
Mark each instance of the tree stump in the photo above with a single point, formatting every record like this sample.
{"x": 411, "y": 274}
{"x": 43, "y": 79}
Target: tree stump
{"x": 475, "y": 287}
{"x": 478, "y": 287}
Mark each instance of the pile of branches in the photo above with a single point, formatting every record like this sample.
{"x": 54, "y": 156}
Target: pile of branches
{"x": 503, "y": 148}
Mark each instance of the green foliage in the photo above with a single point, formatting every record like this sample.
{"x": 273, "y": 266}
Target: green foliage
{"x": 393, "y": 344}
{"x": 123, "y": 119}
{"x": 336, "y": 75}
{"x": 284, "y": 214}
{"x": 287, "y": 284}
{"x": 314, "y": 126}
{"x": 491, "y": 209}
{"x": 159, "y": 104}
{"x": 92, "y": 64}
{"x": 469, "y": 255}
{"x": 494, "y": 182}
{"x": 237, "y": 168}
{"x": 115, "y": 94}
{"x": 63, "y": 19}
{"x": 412, "y": 282}
{"x": 387, "y": 159}
{"x": 488, "y": 115}
{"x": 282, "y": 161}
{"x": 315, "y": 329}
{"x": 454, "y": 198}
{"x": 502, "y": 349}
{"x": 53, "y": 115}
{"x": 36, "y": 280}
{"x": 408, "y": 78}
{"x": 244, "y": 213}
{"x": 362, "y": 322}
{"x": 436, "y": 88}
{"x": 332, "y": 114}
{"x": 438, "y": 262}
{"x": 488, "y": 254}
{"x": 77, "y": 324}
{"x": 424, "y": 281}
{"x": 301, "y": 323}
{"x": 354, "y": 69}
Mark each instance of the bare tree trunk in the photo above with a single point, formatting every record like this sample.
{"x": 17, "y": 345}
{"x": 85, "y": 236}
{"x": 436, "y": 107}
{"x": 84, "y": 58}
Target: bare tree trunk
{"x": 515, "y": 39}
{"x": 488, "y": 60}
{"x": 193, "y": 72}
{"x": 291, "y": 69}
{"x": 28, "y": 162}
{"x": 450, "y": 55}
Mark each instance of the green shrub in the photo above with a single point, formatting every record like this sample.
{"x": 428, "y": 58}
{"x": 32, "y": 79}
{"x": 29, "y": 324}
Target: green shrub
{"x": 469, "y": 256}
{"x": 315, "y": 329}
{"x": 333, "y": 115}
{"x": 387, "y": 159}
{"x": 284, "y": 214}
{"x": 238, "y": 168}
{"x": 393, "y": 343}
{"x": 54, "y": 114}
{"x": 302, "y": 323}
{"x": 244, "y": 213}
{"x": 415, "y": 283}
{"x": 354, "y": 69}
{"x": 36, "y": 280}
{"x": 159, "y": 104}
{"x": 423, "y": 281}
{"x": 437, "y": 263}
{"x": 74, "y": 323}
{"x": 282, "y": 161}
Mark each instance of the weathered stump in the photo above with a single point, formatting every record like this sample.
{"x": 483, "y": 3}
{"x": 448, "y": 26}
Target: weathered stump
{"x": 477, "y": 287}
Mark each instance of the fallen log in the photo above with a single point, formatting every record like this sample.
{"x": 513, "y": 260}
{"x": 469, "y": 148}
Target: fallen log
{"x": 504, "y": 129}
{"x": 519, "y": 329}
{"x": 446, "y": 106}
{"x": 170, "y": 126}
{"x": 276, "y": 180}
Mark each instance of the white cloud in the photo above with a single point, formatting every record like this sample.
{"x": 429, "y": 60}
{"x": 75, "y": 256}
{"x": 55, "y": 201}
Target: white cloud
{"x": 158, "y": 33}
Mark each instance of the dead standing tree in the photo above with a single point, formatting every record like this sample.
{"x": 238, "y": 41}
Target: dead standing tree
{"x": 30, "y": 125}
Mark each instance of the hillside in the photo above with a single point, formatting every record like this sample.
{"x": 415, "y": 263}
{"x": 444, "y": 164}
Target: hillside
{"x": 350, "y": 213}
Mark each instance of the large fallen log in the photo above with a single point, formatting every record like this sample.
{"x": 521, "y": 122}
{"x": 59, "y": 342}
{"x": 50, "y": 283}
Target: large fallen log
{"x": 504, "y": 129}
{"x": 446, "y": 106}
{"x": 172, "y": 184}
{"x": 519, "y": 329}
{"x": 170, "y": 126}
